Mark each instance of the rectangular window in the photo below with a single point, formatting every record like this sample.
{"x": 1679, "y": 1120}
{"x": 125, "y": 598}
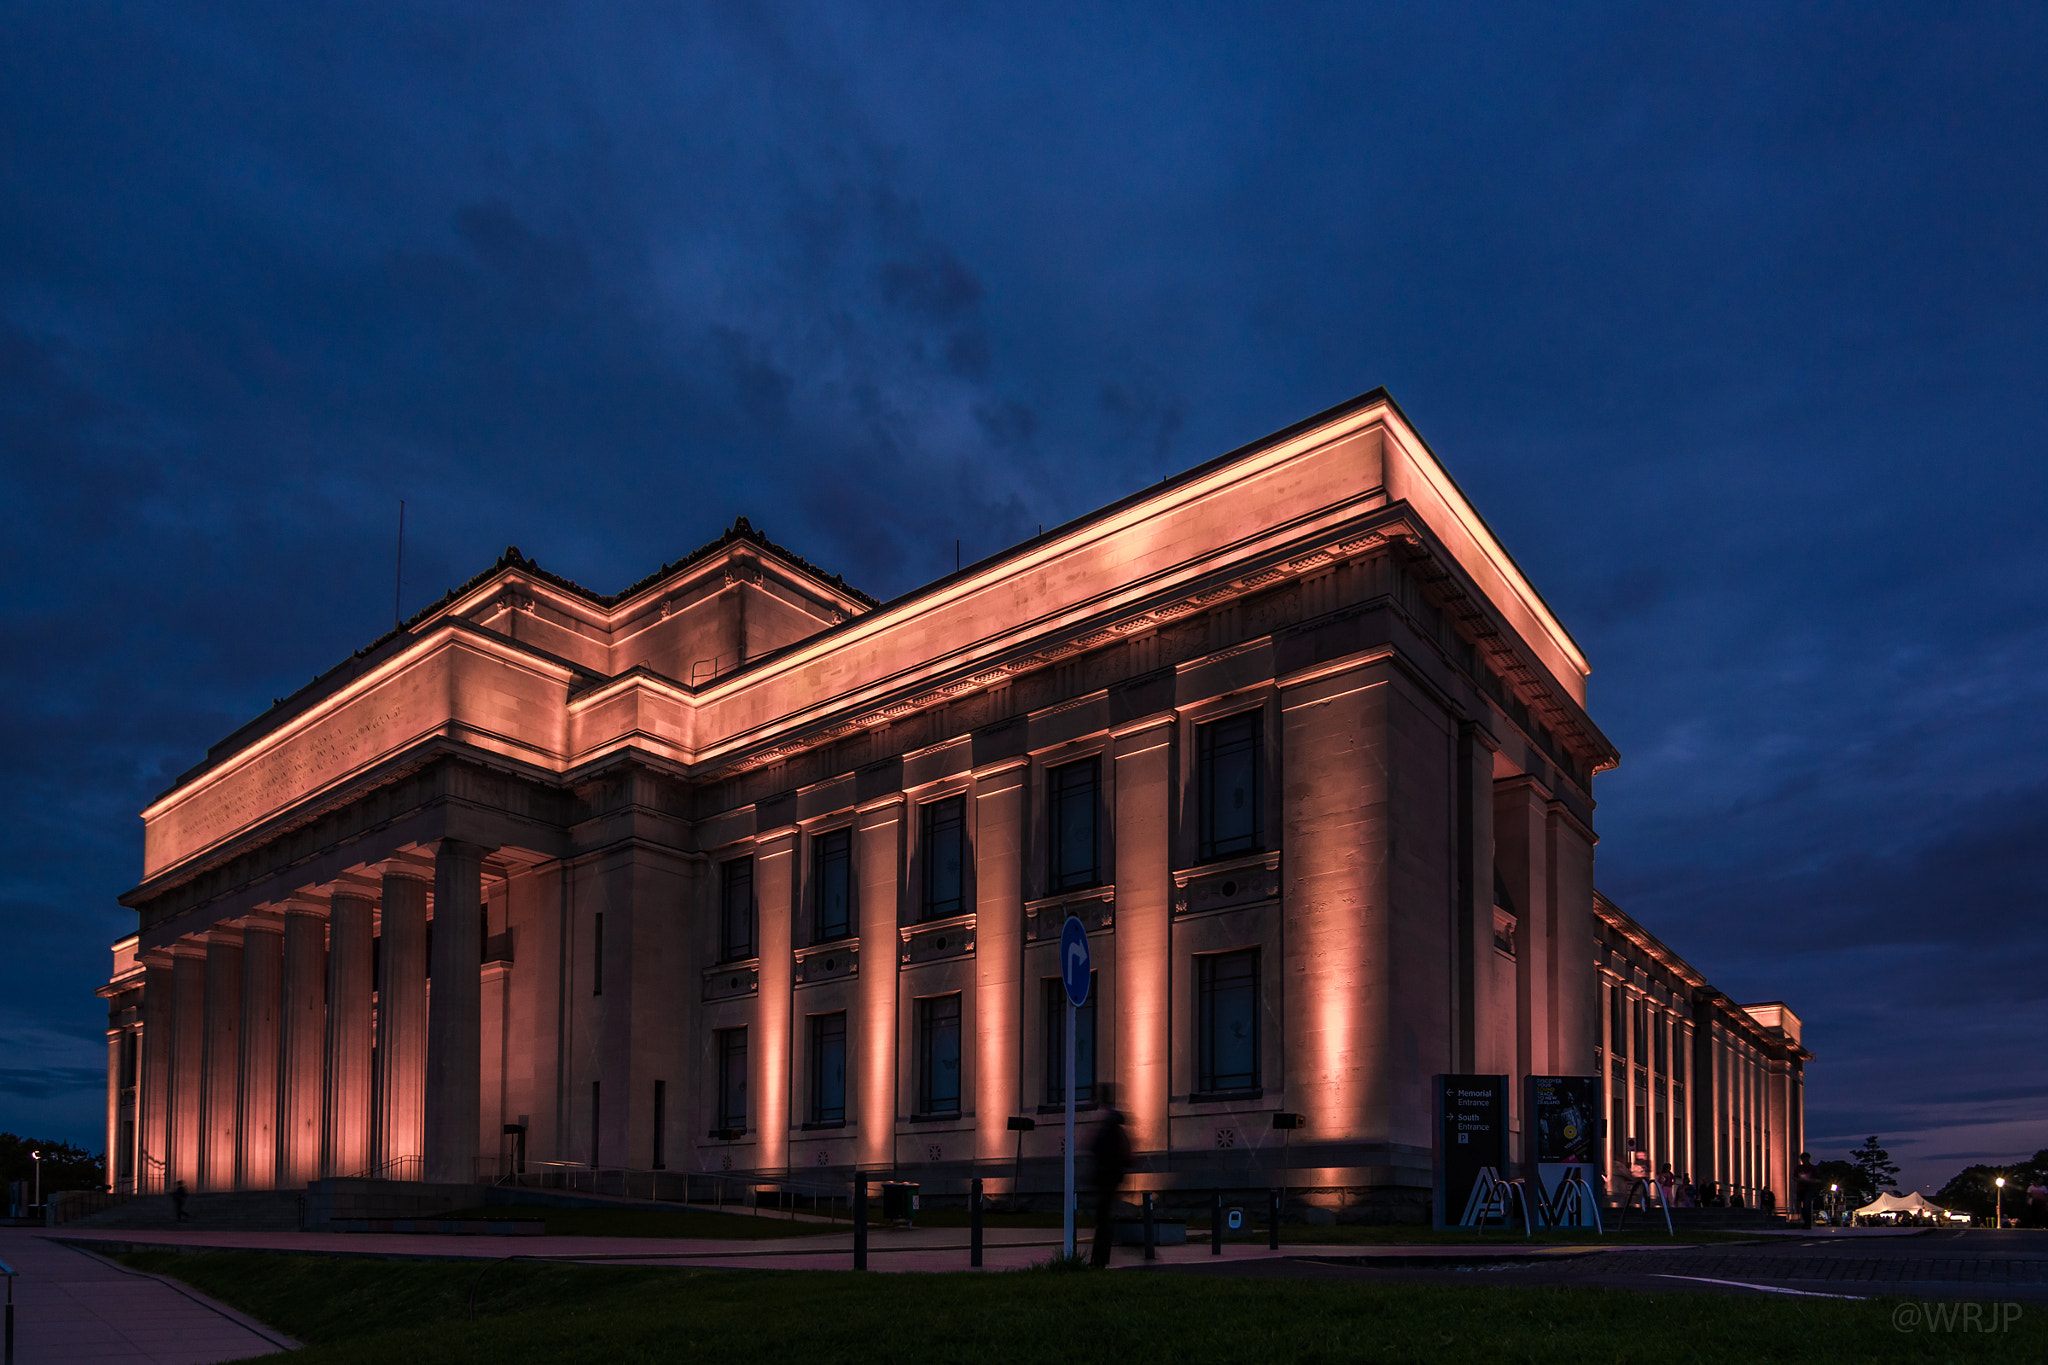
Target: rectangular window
{"x": 1227, "y": 1026}
{"x": 732, "y": 1079}
{"x": 1640, "y": 1054}
{"x": 938, "y": 1055}
{"x": 832, "y": 875}
{"x": 124, "y": 1160}
{"x": 597, "y": 953}
{"x": 128, "y": 1051}
{"x": 736, "y": 910}
{"x": 1056, "y": 1043}
{"x": 660, "y": 1125}
{"x": 828, "y": 1068}
{"x": 1617, "y": 1019}
{"x": 944, "y": 842}
{"x": 1617, "y": 1134}
{"x": 1663, "y": 1035}
{"x": 1231, "y": 755}
{"x": 1072, "y": 807}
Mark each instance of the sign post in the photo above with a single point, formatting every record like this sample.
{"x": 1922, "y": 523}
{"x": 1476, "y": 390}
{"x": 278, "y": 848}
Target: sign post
{"x": 1074, "y": 974}
{"x": 1471, "y": 1147}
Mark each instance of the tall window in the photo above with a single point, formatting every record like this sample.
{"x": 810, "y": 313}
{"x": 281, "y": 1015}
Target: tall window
{"x": 1056, "y": 1043}
{"x": 828, "y": 1068}
{"x": 938, "y": 1054}
{"x": 1640, "y": 1053}
{"x": 944, "y": 841}
{"x": 1661, "y": 1029}
{"x": 832, "y": 875}
{"x": 732, "y": 1078}
{"x": 1227, "y": 1027}
{"x": 1231, "y": 754}
{"x": 736, "y": 910}
{"x": 1072, "y": 806}
{"x": 1617, "y": 1019}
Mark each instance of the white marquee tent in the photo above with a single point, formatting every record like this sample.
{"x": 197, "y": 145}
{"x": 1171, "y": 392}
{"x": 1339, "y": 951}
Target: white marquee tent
{"x": 1902, "y": 1203}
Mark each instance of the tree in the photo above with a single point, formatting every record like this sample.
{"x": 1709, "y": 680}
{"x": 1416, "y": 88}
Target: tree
{"x": 65, "y": 1167}
{"x": 1881, "y": 1172}
{"x": 1856, "y": 1188}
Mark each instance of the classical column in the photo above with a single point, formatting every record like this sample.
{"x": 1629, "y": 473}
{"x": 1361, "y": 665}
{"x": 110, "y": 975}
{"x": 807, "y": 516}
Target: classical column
{"x": 262, "y": 1025}
{"x": 1521, "y": 812}
{"x": 998, "y": 954}
{"x": 222, "y": 1064}
{"x": 455, "y": 1015}
{"x": 402, "y": 1023}
{"x": 188, "y": 1062}
{"x": 877, "y": 859}
{"x": 153, "y": 1089}
{"x": 346, "y": 1148}
{"x": 302, "y": 1045}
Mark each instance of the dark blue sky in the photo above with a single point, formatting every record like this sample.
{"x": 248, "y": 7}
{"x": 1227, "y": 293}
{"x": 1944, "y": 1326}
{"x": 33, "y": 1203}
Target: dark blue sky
{"x": 1731, "y": 322}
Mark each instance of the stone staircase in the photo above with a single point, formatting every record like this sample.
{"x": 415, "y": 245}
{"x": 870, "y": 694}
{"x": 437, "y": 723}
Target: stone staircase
{"x": 226, "y": 1211}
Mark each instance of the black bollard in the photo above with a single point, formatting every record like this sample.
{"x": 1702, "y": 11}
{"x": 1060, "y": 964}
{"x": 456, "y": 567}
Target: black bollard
{"x": 1151, "y": 1233}
{"x": 974, "y": 1225}
{"x": 1273, "y": 1224}
{"x": 1216, "y": 1224}
{"x": 860, "y": 1225}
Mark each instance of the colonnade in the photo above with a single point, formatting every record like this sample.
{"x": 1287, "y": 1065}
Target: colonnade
{"x": 313, "y": 1038}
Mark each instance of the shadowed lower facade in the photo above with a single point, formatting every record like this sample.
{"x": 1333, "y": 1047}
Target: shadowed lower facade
{"x": 739, "y": 870}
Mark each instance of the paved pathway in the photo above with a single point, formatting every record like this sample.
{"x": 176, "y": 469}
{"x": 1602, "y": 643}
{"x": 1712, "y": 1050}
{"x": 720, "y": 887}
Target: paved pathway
{"x": 921, "y": 1249}
{"x": 74, "y": 1307}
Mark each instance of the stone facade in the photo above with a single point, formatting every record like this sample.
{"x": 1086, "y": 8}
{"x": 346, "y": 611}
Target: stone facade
{"x": 741, "y": 870}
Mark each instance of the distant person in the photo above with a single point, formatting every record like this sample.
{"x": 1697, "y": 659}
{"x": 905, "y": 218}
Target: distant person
{"x": 1688, "y": 1197}
{"x": 2037, "y": 1199}
{"x": 178, "y": 1204}
{"x": 1112, "y": 1156}
{"x": 1667, "y": 1184}
{"x": 1734, "y": 1198}
{"x": 1805, "y": 1185}
{"x": 1766, "y": 1201}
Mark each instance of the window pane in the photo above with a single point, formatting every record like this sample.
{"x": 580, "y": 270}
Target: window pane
{"x": 732, "y": 1078}
{"x": 1072, "y": 819}
{"x": 1056, "y": 1043}
{"x": 835, "y": 881}
{"x": 944, "y": 849}
{"x": 828, "y": 1068}
{"x": 736, "y": 918}
{"x": 939, "y": 1055}
{"x": 1228, "y": 1033}
{"x": 1230, "y": 762}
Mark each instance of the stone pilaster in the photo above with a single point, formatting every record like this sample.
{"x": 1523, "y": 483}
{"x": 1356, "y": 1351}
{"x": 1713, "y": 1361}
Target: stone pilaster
{"x": 262, "y": 1033}
{"x": 350, "y": 929}
{"x": 455, "y": 1015}
{"x": 222, "y": 1065}
{"x": 1144, "y": 933}
{"x": 302, "y": 1045}
{"x": 188, "y": 1062}
{"x": 769, "y": 1048}
{"x": 999, "y": 806}
{"x": 402, "y": 1022}
{"x": 877, "y": 861}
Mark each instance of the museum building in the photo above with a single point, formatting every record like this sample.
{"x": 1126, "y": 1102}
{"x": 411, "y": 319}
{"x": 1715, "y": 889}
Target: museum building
{"x": 741, "y": 870}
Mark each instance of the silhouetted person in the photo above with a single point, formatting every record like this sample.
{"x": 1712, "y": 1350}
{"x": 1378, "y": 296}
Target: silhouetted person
{"x": 178, "y": 1203}
{"x": 1805, "y": 1185}
{"x": 1112, "y": 1156}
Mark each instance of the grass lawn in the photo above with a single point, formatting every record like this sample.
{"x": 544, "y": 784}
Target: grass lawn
{"x": 349, "y": 1309}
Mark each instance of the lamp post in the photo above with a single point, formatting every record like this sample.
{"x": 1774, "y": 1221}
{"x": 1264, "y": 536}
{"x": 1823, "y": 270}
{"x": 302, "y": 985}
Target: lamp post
{"x": 1834, "y": 1205}
{"x": 1998, "y": 1219}
{"x": 37, "y": 1157}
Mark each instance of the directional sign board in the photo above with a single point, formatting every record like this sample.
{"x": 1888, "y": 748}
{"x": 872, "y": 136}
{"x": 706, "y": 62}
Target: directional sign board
{"x": 1074, "y": 960}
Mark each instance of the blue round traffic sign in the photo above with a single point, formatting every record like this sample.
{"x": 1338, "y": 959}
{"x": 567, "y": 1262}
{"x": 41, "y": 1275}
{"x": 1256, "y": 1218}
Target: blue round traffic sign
{"x": 1074, "y": 960}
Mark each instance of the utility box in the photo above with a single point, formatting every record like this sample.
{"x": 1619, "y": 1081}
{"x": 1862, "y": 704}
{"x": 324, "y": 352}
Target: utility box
{"x": 899, "y": 1201}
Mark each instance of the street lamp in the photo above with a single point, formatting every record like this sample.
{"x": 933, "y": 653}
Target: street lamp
{"x": 37, "y": 1157}
{"x": 1998, "y": 1219}
{"x": 1834, "y": 1205}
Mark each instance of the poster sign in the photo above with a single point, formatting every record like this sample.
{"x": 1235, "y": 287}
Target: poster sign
{"x": 1471, "y": 1145}
{"x": 1564, "y": 1140}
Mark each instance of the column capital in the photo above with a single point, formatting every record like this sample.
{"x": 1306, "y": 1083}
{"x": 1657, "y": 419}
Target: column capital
{"x": 412, "y": 868}
{"x": 187, "y": 947}
{"x": 226, "y": 935}
{"x": 266, "y": 921}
